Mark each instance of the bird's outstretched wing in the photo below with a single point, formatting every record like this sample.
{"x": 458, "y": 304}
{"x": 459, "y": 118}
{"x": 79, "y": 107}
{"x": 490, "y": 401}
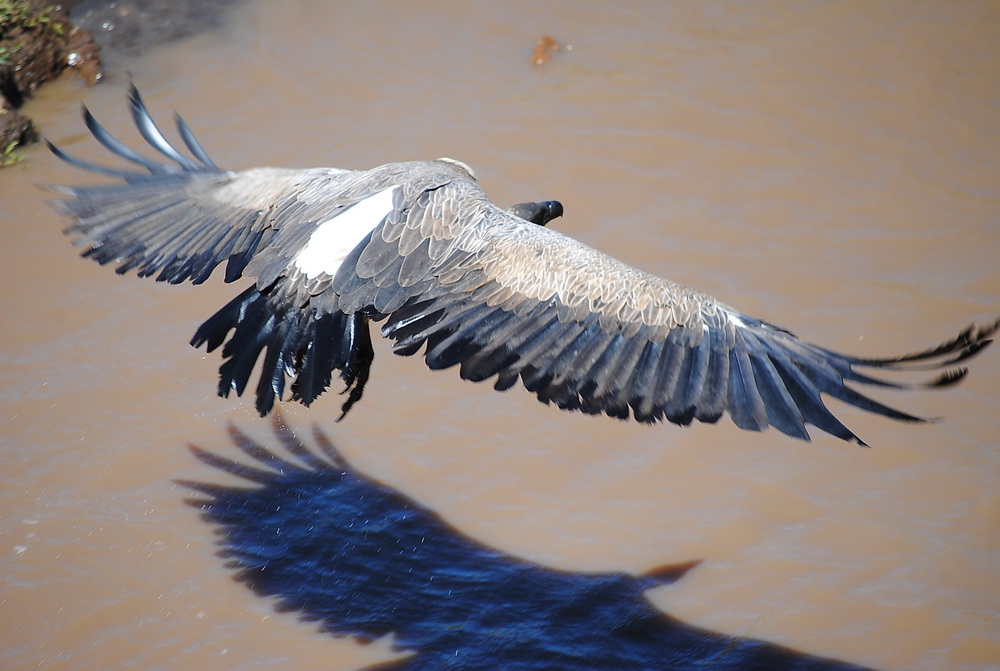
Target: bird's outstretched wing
{"x": 587, "y": 332}
{"x": 181, "y": 219}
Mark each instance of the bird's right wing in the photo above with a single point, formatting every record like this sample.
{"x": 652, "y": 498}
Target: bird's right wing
{"x": 586, "y": 332}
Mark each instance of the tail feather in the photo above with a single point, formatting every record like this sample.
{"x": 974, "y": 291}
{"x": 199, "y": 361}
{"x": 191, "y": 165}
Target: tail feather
{"x": 300, "y": 344}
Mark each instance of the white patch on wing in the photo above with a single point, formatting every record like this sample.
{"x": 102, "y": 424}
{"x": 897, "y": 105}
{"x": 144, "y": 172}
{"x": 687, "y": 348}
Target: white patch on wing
{"x": 335, "y": 238}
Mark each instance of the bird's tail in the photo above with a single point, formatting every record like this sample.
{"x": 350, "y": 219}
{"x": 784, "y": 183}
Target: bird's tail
{"x": 303, "y": 344}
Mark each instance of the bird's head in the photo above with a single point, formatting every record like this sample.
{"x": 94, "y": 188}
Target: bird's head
{"x": 538, "y": 213}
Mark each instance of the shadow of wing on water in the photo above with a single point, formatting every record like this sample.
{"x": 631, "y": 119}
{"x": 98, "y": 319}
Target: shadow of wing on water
{"x": 362, "y": 559}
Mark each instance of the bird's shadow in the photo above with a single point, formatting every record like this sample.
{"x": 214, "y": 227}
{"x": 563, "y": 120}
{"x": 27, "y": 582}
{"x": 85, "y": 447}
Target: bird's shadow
{"x": 361, "y": 559}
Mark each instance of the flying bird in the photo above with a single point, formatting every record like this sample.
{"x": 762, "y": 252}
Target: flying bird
{"x": 419, "y": 247}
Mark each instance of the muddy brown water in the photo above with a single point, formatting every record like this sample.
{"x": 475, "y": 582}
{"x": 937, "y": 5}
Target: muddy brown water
{"x": 834, "y": 168}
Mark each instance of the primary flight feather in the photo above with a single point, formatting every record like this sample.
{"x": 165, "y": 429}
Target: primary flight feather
{"x": 419, "y": 247}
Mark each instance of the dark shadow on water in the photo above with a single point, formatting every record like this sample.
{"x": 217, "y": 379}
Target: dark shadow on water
{"x": 362, "y": 559}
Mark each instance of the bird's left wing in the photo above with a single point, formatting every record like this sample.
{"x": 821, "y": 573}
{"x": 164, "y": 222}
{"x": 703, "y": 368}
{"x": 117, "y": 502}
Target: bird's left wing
{"x": 179, "y": 219}
{"x": 587, "y": 332}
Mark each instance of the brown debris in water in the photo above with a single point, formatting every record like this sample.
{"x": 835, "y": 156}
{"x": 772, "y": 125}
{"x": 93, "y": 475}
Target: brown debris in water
{"x": 545, "y": 49}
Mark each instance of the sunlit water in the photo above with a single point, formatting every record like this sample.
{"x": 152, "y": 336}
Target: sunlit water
{"x": 833, "y": 168}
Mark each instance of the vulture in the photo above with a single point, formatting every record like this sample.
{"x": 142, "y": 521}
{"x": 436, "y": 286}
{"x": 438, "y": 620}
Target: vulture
{"x": 419, "y": 248}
